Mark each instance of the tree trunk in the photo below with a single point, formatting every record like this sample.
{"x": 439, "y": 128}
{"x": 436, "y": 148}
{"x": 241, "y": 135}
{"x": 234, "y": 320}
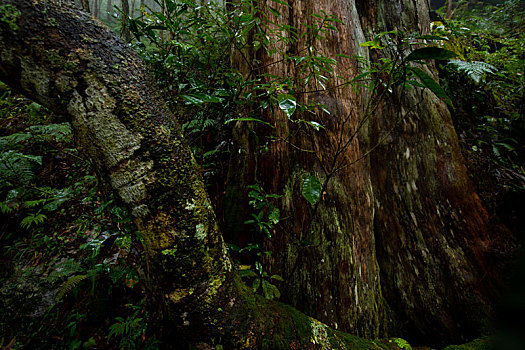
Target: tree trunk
{"x": 109, "y": 11}
{"x": 399, "y": 240}
{"x": 122, "y": 124}
{"x": 124, "y": 6}
{"x": 325, "y": 253}
{"x": 96, "y": 5}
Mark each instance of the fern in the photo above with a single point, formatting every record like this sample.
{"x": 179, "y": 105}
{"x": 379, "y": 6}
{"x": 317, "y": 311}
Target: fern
{"x": 475, "y": 70}
{"x": 64, "y": 269}
{"x": 14, "y": 140}
{"x": 68, "y": 286}
{"x": 59, "y": 132}
{"x": 16, "y": 167}
{"x": 36, "y": 219}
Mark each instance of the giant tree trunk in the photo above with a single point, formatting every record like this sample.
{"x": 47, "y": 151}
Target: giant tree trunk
{"x": 325, "y": 253}
{"x": 432, "y": 230}
{"x": 399, "y": 240}
{"x": 122, "y": 124}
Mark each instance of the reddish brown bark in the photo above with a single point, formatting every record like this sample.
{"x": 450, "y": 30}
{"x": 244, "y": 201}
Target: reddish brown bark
{"x": 399, "y": 240}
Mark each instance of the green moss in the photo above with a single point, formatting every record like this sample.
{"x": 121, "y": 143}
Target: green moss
{"x": 478, "y": 344}
{"x": 9, "y": 14}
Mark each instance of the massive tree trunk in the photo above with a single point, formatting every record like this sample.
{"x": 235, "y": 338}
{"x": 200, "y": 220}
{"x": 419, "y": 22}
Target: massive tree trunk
{"x": 64, "y": 60}
{"x": 399, "y": 241}
{"x": 326, "y": 252}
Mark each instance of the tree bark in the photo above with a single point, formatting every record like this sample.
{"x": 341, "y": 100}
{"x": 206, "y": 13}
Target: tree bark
{"x": 66, "y": 61}
{"x": 109, "y": 10}
{"x": 326, "y": 252}
{"x": 124, "y": 6}
{"x": 399, "y": 241}
{"x": 96, "y": 5}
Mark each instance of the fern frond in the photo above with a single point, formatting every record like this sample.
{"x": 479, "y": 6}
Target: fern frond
{"x": 68, "y": 285}
{"x": 17, "y": 167}
{"x": 60, "y": 132}
{"x": 5, "y": 208}
{"x": 209, "y": 123}
{"x": 475, "y": 70}
{"x": 29, "y": 220}
{"x": 64, "y": 269}
{"x": 11, "y": 141}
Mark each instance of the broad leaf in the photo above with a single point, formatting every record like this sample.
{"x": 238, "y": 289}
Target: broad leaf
{"x": 311, "y": 190}
{"x": 430, "y": 53}
{"x": 431, "y": 84}
{"x": 314, "y": 125}
{"x": 287, "y": 103}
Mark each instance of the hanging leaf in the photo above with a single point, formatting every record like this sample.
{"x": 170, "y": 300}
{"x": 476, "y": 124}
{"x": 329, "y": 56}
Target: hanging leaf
{"x": 314, "y": 125}
{"x": 311, "y": 190}
{"x": 192, "y": 99}
{"x": 287, "y": 103}
{"x": 431, "y": 84}
{"x": 430, "y": 53}
{"x": 247, "y": 119}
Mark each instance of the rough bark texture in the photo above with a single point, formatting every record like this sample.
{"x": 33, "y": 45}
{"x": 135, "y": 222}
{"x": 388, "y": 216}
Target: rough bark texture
{"x": 400, "y": 239}
{"x": 68, "y": 62}
{"x": 431, "y": 228}
{"x": 326, "y": 254}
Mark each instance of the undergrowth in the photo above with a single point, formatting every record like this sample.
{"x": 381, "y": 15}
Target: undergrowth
{"x": 70, "y": 257}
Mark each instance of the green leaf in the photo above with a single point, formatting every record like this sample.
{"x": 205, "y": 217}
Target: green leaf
{"x": 430, "y": 53}
{"x": 311, "y": 190}
{"x": 475, "y": 70}
{"x": 375, "y": 44}
{"x": 247, "y": 273}
{"x": 274, "y": 216}
{"x": 277, "y": 277}
{"x": 431, "y": 84}
{"x": 256, "y": 284}
{"x": 287, "y": 103}
{"x": 247, "y": 119}
{"x": 192, "y": 99}
{"x": 282, "y": 2}
{"x": 314, "y": 125}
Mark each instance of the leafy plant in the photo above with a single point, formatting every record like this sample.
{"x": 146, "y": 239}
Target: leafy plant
{"x": 262, "y": 281}
{"x": 475, "y": 70}
{"x": 131, "y": 331}
{"x": 489, "y": 42}
{"x": 268, "y": 214}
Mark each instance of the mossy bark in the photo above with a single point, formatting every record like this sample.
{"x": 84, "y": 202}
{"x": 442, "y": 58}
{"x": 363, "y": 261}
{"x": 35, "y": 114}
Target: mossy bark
{"x": 68, "y": 62}
{"x": 432, "y": 232}
{"x": 325, "y": 253}
{"x": 399, "y": 241}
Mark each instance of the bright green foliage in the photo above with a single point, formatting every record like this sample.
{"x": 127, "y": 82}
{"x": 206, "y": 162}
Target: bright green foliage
{"x": 9, "y": 14}
{"x": 266, "y": 216}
